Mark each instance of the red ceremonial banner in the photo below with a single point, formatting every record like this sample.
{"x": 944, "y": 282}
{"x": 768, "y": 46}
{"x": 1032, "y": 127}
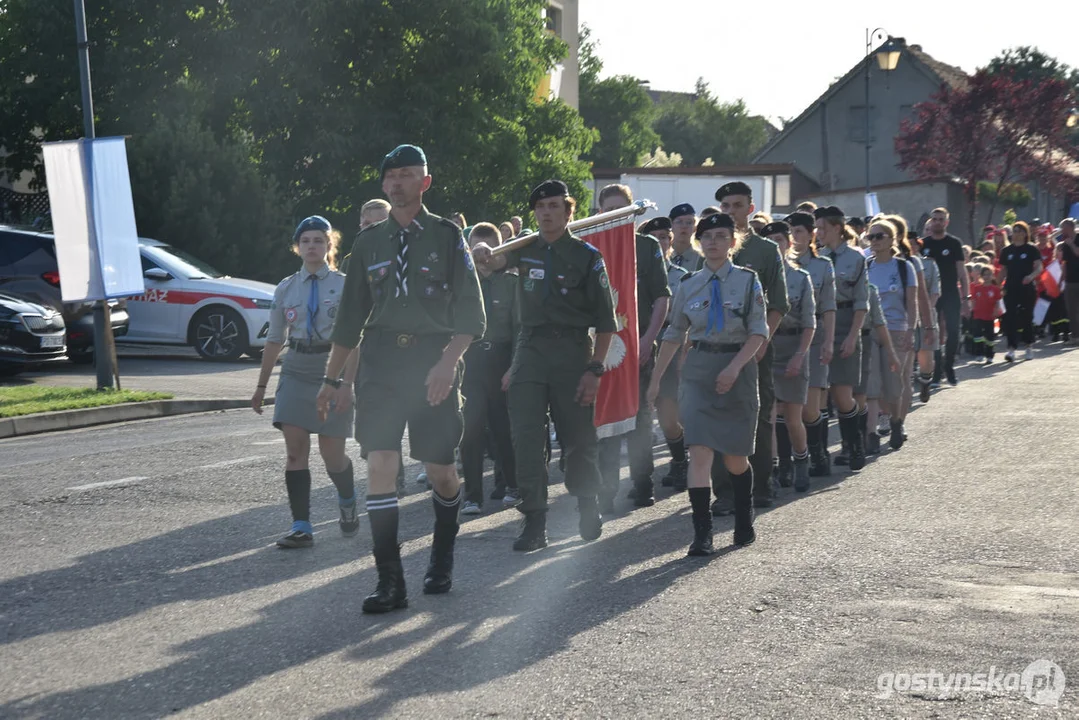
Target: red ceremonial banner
{"x": 619, "y": 393}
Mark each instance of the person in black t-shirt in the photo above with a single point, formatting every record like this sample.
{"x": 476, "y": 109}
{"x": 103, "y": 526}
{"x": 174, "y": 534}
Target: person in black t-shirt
{"x": 1068, "y": 253}
{"x": 947, "y": 251}
{"x": 1021, "y": 264}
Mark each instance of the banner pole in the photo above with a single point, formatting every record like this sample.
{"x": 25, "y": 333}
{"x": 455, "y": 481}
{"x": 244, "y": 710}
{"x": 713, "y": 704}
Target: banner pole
{"x": 638, "y": 208}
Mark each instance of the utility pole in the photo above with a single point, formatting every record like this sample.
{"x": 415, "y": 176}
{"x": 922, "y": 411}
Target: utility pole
{"x": 102, "y": 323}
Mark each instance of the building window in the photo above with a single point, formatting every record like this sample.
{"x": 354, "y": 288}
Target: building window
{"x": 552, "y": 18}
{"x": 856, "y": 124}
{"x": 782, "y": 191}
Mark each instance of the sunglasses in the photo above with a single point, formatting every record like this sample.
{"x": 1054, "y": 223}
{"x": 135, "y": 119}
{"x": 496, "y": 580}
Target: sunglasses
{"x": 879, "y": 236}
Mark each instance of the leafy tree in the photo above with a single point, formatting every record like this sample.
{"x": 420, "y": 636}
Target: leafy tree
{"x": 315, "y": 94}
{"x": 998, "y": 127}
{"x": 617, "y": 107}
{"x": 1030, "y": 63}
{"x": 1009, "y": 194}
{"x": 704, "y": 128}
{"x": 660, "y": 158}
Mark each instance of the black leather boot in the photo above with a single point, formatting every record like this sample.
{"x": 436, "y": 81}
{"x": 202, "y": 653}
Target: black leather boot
{"x": 702, "y": 544}
{"x": 742, "y": 488}
{"x": 853, "y": 436}
{"x": 819, "y": 466}
{"x": 439, "y": 577}
{"x": 390, "y": 594}
{"x": 533, "y": 534}
{"x": 680, "y": 471}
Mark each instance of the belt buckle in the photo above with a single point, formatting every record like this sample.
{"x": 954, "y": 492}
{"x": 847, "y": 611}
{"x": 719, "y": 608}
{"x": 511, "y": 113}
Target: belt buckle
{"x": 404, "y": 341}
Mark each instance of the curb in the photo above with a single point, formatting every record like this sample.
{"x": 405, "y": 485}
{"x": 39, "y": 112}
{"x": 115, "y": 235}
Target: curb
{"x": 124, "y": 412}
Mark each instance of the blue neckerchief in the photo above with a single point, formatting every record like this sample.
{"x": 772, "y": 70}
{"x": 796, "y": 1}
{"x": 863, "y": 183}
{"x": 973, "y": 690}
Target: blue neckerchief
{"x": 715, "y": 307}
{"x": 312, "y": 307}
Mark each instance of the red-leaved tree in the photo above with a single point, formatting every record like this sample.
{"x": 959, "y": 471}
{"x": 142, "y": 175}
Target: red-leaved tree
{"x": 998, "y": 127}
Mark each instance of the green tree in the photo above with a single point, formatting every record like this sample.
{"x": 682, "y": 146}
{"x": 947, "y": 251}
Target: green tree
{"x": 315, "y": 93}
{"x": 618, "y": 108}
{"x": 1029, "y": 63}
{"x": 704, "y": 128}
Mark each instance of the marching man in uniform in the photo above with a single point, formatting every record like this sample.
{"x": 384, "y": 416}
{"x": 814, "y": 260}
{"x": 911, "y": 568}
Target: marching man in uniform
{"x": 413, "y": 294}
{"x": 563, "y": 291}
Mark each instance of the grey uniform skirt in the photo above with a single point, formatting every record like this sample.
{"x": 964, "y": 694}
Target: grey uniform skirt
{"x": 789, "y": 389}
{"x": 818, "y": 371}
{"x": 297, "y": 390}
{"x": 845, "y": 371}
{"x": 726, "y": 423}
{"x": 869, "y": 381}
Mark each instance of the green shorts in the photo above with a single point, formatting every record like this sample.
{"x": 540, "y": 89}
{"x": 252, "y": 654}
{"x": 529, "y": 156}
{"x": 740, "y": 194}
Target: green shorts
{"x": 391, "y": 394}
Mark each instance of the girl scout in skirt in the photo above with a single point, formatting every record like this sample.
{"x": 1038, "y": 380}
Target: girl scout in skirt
{"x": 303, "y": 312}
{"x": 852, "y": 302}
{"x": 790, "y": 363}
{"x": 804, "y": 255}
{"x": 879, "y": 363}
{"x": 721, "y": 308}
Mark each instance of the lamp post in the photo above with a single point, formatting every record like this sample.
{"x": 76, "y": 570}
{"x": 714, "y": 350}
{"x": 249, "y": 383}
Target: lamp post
{"x": 887, "y": 60}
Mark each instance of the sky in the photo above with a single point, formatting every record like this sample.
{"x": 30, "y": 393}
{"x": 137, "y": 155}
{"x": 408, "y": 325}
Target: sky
{"x": 780, "y": 56}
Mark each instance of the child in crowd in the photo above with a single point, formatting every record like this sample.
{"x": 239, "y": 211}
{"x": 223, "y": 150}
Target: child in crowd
{"x": 987, "y": 296}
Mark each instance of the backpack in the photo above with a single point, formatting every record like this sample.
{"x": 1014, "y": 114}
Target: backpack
{"x": 904, "y": 268}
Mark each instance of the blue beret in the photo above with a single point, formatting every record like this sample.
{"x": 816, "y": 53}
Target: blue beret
{"x": 800, "y": 219}
{"x": 403, "y": 156}
{"x": 734, "y": 188}
{"x": 829, "y": 212}
{"x": 547, "y": 189}
{"x": 679, "y": 210}
{"x": 315, "y": 222}
{"x": 719, "y": 220}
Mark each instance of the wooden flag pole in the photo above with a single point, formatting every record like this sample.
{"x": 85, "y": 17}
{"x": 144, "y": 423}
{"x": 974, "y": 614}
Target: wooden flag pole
{"x": 638, "y": 208}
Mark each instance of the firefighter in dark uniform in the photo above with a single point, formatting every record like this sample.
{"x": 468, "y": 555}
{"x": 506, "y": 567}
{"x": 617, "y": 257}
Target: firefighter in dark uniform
{"x": 414, "y": 296}
{"x": 563, "y": 290}
{"x": 653, "y": 301}
{"x": 762, "y": 257}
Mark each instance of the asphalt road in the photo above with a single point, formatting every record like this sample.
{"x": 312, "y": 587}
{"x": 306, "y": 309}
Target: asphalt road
{"x": 140, "y": 581}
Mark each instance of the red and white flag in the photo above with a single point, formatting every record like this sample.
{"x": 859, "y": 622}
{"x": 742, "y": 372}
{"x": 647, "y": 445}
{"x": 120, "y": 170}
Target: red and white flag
{"x": 1051, "y": 279}
{"x": 619, "y": 392}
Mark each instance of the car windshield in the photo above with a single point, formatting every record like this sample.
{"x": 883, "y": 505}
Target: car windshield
{"x": 190, "y": 265}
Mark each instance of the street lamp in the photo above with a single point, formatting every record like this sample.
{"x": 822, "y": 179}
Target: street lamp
{"x": 887, "y": 60}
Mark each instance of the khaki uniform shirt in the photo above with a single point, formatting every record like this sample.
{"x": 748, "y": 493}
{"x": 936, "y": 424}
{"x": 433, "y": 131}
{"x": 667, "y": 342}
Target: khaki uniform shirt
{"x": 762, "y": 257}
{"x": 289, "y": 310}
{"x": 443, "y": 290}
{"x": 651, "y": 279}
{"x": 500, "y": 304}
{"x": 743, "y": 307}
{"x": 563, "y": 283}
{"x": 850, "y": 277}
{"x": 689, "y": 260}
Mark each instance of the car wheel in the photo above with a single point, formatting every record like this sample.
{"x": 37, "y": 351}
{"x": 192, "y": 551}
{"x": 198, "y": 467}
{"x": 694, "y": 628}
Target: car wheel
{"x": 219, "y": 333}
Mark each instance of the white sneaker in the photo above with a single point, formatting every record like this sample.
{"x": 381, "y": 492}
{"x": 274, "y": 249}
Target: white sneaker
{"x": 1010, "y": 356}
{"x": 421, "y": 479}
{"x": 471, "y": 508}
{"x": 512, "y": 496}
{"x": 1029, "y": 354}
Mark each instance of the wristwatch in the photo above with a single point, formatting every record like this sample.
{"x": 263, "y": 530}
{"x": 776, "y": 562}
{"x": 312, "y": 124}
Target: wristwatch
{"x": 331, "y": 382}
{"x": 595, "y": 368}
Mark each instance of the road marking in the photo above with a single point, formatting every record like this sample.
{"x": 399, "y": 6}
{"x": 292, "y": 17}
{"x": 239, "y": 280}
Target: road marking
{"x": 109, "y": 483}
{"x": 229, "y": 463}
{"x": 270, "y": 442}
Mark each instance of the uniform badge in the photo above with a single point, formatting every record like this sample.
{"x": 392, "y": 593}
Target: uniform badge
{"x": 535, "y": 274}
{"x": 429, "y": 291}
{"x": 333, "y": 292}
{"x": 332, "y": 312}
{"x": 433, "y": 257}
{"x": 659, "y": 254}
{"x": 381, "y": 272}
{"x": 893, "y": 288}
{"x": 530, "y": 285}
{"x": 290, "y": 315}
{"x": 598, "y": 266}
{"x": 565, "y": 291}
{"x": 944, "y": 252}
{"x": 603, "y": 281}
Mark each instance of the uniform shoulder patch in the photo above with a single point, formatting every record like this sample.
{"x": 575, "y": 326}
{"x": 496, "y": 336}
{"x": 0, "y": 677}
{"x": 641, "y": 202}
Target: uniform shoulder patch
{"x": 590, "y": 246}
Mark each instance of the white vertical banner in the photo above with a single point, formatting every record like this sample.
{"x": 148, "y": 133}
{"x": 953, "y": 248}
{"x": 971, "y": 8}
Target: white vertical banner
{"x": 93, "y": 219}
{"x": 872, "y": 205}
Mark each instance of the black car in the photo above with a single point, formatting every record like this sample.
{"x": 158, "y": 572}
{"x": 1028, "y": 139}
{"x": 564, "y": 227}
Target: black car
{"x": 28, "y": 269}
{"x": 30, "y": 334}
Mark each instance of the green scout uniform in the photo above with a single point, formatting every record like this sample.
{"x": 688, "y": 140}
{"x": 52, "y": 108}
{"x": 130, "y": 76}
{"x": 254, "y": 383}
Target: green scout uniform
{"x": 407, "y": 306}
{"x": 485, "y": 403}
{"x": 562, "y": 291}
{"x": 762, "y": 257}
{"x": 651, "y": 286}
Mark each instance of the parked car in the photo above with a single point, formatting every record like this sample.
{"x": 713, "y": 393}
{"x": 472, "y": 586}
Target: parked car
{"x": 187, "y": 302}
{"x": 28, "y": 270}
{"x": 30, "y": 334}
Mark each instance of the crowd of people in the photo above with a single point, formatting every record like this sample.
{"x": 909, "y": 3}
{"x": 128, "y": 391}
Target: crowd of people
{"x": 754, "y": 332}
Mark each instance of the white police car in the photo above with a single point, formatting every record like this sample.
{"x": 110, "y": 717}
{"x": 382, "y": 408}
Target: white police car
{"x": 187, "y": 302}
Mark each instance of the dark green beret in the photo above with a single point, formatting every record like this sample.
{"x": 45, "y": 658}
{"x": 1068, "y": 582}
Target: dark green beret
{"x": 800, "y": 219}
{"x": 656, "y": 223}
{"x": 775, "y": 228}
{"x": 547, "y": 189}
{"x": 734, "y": 188}
{"x": 679, "y": 210}
{"x": 403, "y": 156}
{"x": 719, "y": 220}
{"x": 829, "y": 212}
